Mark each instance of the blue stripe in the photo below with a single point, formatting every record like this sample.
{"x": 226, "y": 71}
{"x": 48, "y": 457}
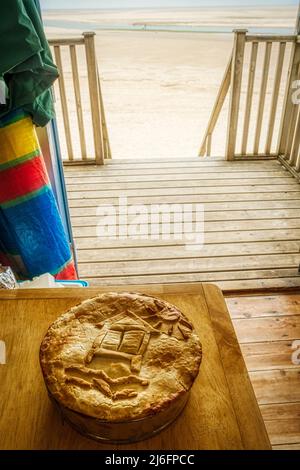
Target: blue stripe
{"x": 37, "y": 230}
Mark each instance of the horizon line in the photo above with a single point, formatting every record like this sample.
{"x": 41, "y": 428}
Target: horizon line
{"x": 191, "y": 7}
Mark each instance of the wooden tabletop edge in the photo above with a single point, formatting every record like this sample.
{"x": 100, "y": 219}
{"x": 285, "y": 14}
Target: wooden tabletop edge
{"x": 232, "y": 360}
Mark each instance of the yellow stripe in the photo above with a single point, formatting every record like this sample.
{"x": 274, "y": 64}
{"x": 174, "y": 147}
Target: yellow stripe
{"x": 17, "y": 139}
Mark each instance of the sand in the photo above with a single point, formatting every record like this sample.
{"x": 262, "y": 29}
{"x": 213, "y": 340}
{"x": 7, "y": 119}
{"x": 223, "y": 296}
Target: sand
{"x": 159, "y": 87}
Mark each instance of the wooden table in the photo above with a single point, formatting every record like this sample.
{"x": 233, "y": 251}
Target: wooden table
{"x": 222, "y": 412}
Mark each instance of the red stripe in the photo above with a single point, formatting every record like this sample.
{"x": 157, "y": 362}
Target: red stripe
{"x": 22, "y": 179}
{"x": 68, "y": 273}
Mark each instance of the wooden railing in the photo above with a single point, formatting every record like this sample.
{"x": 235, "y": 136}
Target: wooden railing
{"x": 266, "y": 113}
{"x": 289, "y": 142}
{"x": 75, "y": 115}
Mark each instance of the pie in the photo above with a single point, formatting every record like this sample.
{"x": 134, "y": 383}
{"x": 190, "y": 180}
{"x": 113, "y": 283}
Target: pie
{"x": 120, "y": 366}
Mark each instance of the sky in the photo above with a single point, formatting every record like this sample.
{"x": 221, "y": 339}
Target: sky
{"x": 109, "y": 4}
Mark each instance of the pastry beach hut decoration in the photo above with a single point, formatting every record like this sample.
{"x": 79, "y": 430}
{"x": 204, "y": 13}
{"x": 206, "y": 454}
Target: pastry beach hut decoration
{"x": 124, "y": 337}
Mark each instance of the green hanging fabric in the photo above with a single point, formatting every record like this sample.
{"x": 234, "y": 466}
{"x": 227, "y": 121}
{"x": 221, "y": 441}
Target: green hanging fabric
{"x": 26, "y": 64}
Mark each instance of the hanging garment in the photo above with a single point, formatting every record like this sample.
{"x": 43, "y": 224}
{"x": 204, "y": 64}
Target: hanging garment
{"x": 32, "y": 237}
{"x": 27, "y": 70}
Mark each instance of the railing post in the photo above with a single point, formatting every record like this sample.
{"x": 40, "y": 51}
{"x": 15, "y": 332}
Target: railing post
{"x": 222, "y": 94}
{"x": 106, "y": 142}
{"x": 64, "y": 103}
{"x": 288, "y": 118}
{"x": 262, "y": 96}
{"x": 235, "y": 92}
{"x": 275, "y": 95}
{"x": 208, "y": 145}
{"x": 77, "y": 93}
{"x": 249, "y": 101}
{"x": 89, "y": 41}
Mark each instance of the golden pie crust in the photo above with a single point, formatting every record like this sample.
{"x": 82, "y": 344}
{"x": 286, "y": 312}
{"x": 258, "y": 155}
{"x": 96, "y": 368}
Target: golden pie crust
{"x": 120, "y": 357}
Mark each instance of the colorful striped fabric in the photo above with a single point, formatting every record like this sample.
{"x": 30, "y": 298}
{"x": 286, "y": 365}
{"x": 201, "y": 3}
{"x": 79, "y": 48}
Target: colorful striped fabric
{"x": 32, "y": 237}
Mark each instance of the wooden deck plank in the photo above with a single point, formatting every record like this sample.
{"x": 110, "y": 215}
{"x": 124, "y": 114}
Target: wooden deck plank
{"x": 263, "y": 306}
{"x": 215, "y": 226}
{"x": 174, "y": 162}
{"x": 233, "y": 236}
{"x": 96, "y": 184}
{"x": 250, "y": 284}
{"x": 212, "y": 162}
{"x": 268, "y": 355}
{"x": 285, "y": 411}
{"x": 216, "y": 277}
{"x": 276, "y": 386}
{"x": 284, "y": 431}
{"x": 93, "y": 218}
{"x": 275, "y": 200}
{"x": 253, "y": 162}
{"x": 276, "y": 282}
{"x": 250, "y": 196}
{"x": 186, "y": 188}
{"x": 283, "y": 180}
{"x": 266, "y": 329}
{"x": 165, "y": 252}
{"x": 187, "y": 203}
{"x": 200, "y": 172}
{"x": 209, "y": 216}
{"x": 286, "y": 446}
{"x": 94, "y": 178}
{"x": 234, "y": 263}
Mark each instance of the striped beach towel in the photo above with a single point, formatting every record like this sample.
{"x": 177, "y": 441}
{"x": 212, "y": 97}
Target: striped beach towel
{"x": 32, "y": 238}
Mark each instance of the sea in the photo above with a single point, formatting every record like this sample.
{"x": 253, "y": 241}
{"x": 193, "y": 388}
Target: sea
{"x": 172, "y": 28}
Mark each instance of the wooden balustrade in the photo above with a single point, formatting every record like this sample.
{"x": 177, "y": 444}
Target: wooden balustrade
{"x": 289, "y": 142}
{"x": 290, "y": 158}
{"x": 265, "y": 81}
{"x": 73, "y": 125}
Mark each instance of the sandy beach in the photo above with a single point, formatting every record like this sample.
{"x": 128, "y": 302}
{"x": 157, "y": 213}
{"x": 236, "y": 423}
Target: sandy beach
{"x": 158, "y": 87}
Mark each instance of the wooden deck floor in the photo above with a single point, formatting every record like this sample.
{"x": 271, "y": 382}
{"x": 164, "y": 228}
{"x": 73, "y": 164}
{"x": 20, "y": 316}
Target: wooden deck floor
{"x": 252, "y": 222}
{"x": 267, "y": 327}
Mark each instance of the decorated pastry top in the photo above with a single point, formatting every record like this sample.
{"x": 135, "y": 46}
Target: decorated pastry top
{"x": 120, "y": 357}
